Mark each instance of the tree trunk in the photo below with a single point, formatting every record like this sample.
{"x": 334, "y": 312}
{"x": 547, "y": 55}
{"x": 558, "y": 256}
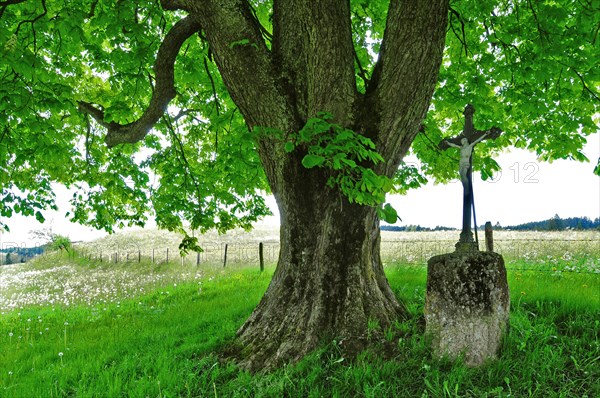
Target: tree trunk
{"x": 329, "y": 282}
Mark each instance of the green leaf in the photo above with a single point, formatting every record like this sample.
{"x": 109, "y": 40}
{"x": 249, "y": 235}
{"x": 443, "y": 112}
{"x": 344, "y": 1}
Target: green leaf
{"x": 484, "y": 175}
{"x": 349, "y": 162}
{"x": 189, "y": 243}
{"x": 388, "y": 185}
{"x": 242, "y": 42}
{"x": 289, "y": 147}
{"x": 39, "y": 217}
{"x": 388, "y": 214}
{"x": 345, "y": 135}
{"x": 310, "y": 161}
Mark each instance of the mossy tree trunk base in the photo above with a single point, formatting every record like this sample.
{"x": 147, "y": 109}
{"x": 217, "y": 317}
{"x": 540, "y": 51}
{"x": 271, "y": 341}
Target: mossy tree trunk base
{"x": 467, "y": 305}
{"x": 329, "y": 284}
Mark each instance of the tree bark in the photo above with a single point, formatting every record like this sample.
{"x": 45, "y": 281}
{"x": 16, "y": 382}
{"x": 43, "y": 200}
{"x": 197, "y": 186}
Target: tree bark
{"x": 405, "y": 76}
{"x": 313, "y": 52}
{"x": 329, "y": 282}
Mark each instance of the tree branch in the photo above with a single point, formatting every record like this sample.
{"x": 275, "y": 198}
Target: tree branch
{"x": 361, "y": 71}
{"x": 404, "y": 77}
{"x": 251, "y": 74}
{"x": 174, "y": 5}
{"x": 313, "y": 43}
{"x": 184, "y": 161}
{"x": 212, "y": 84}
{"x": 266, "y": 34}
{"x": 93, "y": 9}
{"x": 543, "y": 33}
{"x": 244, "y": 61}
{"x": 10, "y": 2}
{"x": 164, "y": 90}
{"x": 463, "y": 39}
{"x": 32, "y": 22}
{"x": 585, "y": 86}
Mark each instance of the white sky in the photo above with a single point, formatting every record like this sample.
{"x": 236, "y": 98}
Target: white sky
{"x": 536, "y": 192}
{"x": 526, "y": 190}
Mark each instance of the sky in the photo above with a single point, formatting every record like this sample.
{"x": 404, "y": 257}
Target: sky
{"x": 526, "y": 190}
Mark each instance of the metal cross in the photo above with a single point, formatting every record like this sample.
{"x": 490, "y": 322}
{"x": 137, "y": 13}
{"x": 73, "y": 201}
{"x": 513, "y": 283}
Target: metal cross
{"x": 466, "y": 141}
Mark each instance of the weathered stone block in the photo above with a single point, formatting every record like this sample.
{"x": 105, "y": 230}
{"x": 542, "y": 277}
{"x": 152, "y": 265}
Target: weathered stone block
{"x": 467, "y": 305}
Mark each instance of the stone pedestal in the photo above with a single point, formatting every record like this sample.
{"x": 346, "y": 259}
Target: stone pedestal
{"x": 467, "y": 305}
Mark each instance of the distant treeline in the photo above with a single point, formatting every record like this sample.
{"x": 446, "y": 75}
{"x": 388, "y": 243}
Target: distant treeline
{"x": 552, "y": 224}
{"x": 556, "y": 224}
{"x": 14, "y": 255}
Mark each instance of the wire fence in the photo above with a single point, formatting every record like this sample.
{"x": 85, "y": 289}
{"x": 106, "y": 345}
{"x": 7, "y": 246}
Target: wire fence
{"x": 580, "y": 255}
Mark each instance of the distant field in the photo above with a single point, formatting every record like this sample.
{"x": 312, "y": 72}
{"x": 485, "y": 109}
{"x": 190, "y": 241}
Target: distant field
{"x": 124, "y": 265}
{"x": 568, "y": 250}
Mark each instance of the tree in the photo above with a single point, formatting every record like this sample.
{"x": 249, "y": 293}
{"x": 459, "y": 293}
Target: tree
{"x": 555, "y": 223}
{"x": 60, "y": 242}
{"x": 204, "y": 105}
{"x": 52, "y": 241}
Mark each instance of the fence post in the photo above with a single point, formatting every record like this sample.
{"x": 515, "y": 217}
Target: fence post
{"x": 167, "y": 255}
{"x": 225, "y": 256}
{"x": 116, "y": 258}
{"x": 152, "y": 256}
{"x": 197, "y": 258}
{"x": 261, "y": 258}
{"x": 139, "y": 256}
{"x": 489, "y": 237}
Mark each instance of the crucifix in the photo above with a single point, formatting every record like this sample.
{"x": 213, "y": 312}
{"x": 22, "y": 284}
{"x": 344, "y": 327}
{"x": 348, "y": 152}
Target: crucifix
{"x": 466, "y": 141}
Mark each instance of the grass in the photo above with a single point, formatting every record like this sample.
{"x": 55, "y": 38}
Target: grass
{"x": 163, "y": 341}
{"x": 146, "y": 346}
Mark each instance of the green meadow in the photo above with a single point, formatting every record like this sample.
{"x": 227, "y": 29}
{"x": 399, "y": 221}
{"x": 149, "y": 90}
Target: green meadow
{"x": 163, "y": 330}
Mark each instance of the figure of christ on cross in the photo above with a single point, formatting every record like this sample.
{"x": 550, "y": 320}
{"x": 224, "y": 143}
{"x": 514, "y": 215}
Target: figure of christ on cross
{"x": 466, "y": 141}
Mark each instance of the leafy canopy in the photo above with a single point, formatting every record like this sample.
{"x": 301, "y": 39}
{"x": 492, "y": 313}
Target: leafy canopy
{"x": 528, "y": 66}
